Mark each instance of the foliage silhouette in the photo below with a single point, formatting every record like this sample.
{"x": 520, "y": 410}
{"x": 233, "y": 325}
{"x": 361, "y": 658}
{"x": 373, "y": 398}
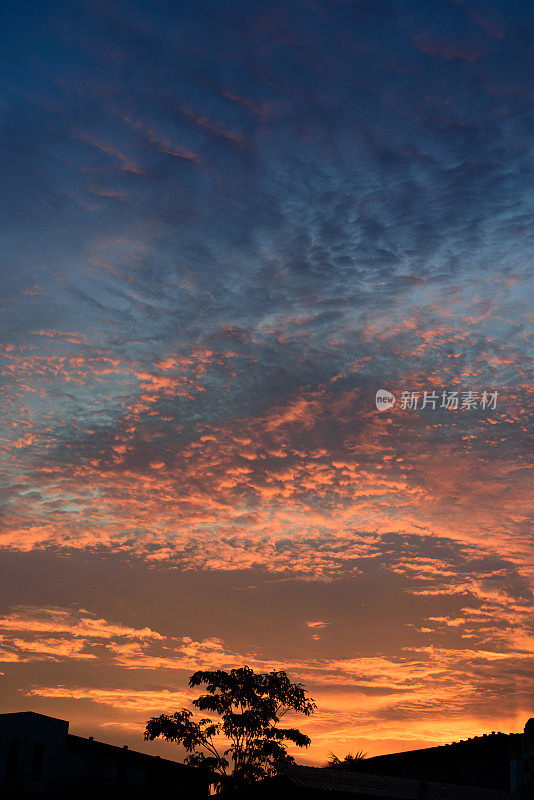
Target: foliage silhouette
{"x": 351, "y": 762}
{"x": 249, "y": 706}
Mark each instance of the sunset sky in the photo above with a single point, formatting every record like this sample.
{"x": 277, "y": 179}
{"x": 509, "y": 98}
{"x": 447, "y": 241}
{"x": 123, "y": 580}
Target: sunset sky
{"x": 226, "y": 226}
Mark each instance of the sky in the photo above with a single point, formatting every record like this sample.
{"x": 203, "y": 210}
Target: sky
{"x": 226, "y": 226}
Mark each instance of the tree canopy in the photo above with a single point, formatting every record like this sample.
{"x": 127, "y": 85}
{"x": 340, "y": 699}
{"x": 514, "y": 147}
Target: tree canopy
{"x": 352, "y": 761}
{"x": 249, "y": 707}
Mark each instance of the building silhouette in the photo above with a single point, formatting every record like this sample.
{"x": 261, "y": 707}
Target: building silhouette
{"x": 40, "y": 758}
{"x": 495, "y": 760}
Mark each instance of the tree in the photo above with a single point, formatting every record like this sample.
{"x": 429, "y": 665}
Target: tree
{"x": 350, "y": 762}
{"x": 250, "y": 705}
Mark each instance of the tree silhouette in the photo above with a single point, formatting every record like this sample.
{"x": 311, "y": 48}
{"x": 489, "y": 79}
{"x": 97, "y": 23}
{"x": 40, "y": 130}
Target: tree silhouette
{"x": 351, "y": 761}
{"x": 249, "y": 706}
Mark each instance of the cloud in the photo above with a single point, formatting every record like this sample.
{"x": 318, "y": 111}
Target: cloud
{"x": 146, "y": 701}
{"x": 75, "y": 624}
{"x": 37, "y": 634}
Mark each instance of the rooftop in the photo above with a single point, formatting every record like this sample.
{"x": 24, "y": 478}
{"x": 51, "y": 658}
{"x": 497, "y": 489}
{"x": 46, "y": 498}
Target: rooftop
{"x": 336, "y": 780}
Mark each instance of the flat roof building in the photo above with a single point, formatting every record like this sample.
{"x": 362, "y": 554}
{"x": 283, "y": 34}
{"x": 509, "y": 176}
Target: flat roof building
{"x": 40, "y": 758}
{"x": 493, "y": 760}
